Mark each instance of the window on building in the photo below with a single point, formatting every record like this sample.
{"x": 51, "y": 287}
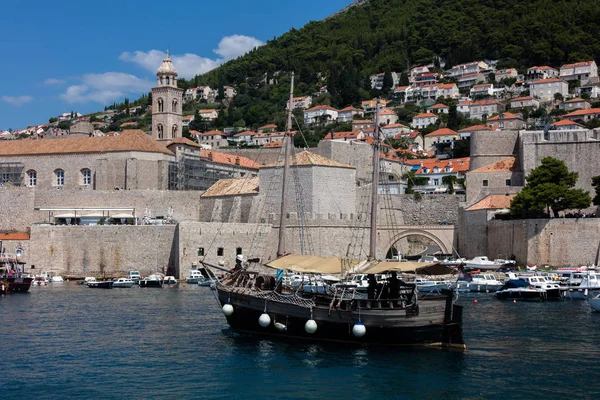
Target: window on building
{"x": 86, "y": 177}
{"x": 59, "y": 174}
{"x": 485, "y": 182}
{"x": 219, "y": 252}
{"x": 436, "y": 182}
{"x": 32, "y": 178}
{"x": 200, "y": 251}
{"x": 238, "y": 251}
{"x": 4, "y": 179}
{"x": 508, "y": 182}
{"x": 160, "y": 104}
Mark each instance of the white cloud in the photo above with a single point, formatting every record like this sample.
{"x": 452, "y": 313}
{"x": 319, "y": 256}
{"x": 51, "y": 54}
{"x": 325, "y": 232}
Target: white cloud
{"x": 17, "y": 100}
{"x": 189, "y": 65}
{"x": 106, "y": 87}
{"x": 53, "y": 81}
{"x": 234, "y": 46}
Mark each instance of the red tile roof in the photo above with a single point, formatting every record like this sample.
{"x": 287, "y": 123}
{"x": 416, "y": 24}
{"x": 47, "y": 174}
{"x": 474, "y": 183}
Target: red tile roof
{"x": 350, "y": 108}
{"x": 493, "y": 201}
{"x": 583, "y": 112}
{"x": 549, "y": 80}
{"x": 505, "y": 115}
{"x": 437, "y": 106}
{"x": 442, "y": 132}
{"x": 457, "y": 164}
{"x": 229, "y": 159}
{"x": 578, "y": 64}
{"x": 565, "y": 122}
{"x": 507, "y": 165}
{"x": 342, "y": 135}
{"x": 425, "y": 115}
{"x": 525, "y": 98}
{"x": 321, "y": 107}
{"x": 475, "y": 128}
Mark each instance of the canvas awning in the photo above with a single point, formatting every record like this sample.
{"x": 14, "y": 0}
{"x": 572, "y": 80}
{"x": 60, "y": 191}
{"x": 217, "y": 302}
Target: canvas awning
{"x": 410, "y": 267}
{"x": 308, "y": 264}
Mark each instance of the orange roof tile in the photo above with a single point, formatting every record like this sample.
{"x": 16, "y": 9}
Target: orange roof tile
{"x": 507, "y": 165}
{"x": 229, "y": 159}
{"x": 505, "y": 115}
{"x": 525, "y": 98}
{"x": 321, "y": 107}
{"x": 437, "y": 106}
{"x": 583, "y": 112}
{"x": 565, "y": 122}
{"x": 442, "y": 132}
{"x": 307, "y": 158}
{"x": 578, "y": 64}
{"x": 128, "y": 140}
{"x": 350, "y": 108}
{"x": 446, "y": 85}
{"x": 575, "y": 100}
{"x": 342, "y": 135}
{"x": 549, "y": 80}
{"x": 269, "y": 126}
{"x": 457, "y": 164}
{"x": 425, "y": 115}
{"x": 475, "y": 128}
{"x": 392, "y": 126}
{"x": 185, "y": 141}
{"x": 493, "y": 201}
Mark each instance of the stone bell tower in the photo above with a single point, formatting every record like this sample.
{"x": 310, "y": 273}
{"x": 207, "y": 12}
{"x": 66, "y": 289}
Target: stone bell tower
{"x": 167, "y": 101}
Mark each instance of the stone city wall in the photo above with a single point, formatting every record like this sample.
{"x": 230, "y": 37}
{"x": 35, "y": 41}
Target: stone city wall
{"x": 16, "y": 212}
{"x": 555, "y": 242}
{"x": 80, "y": 251}
{"x": 488, "y": 147}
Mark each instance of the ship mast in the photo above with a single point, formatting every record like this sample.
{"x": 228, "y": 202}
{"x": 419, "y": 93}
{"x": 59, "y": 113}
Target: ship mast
{"x": 374, "y": 186}
{"x": 287, "y": 144}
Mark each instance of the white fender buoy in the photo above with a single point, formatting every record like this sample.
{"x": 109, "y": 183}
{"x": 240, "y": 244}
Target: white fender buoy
{"x": 310, "y": 326}
{"x": 227, "y": 309}
{"x": 359, "y": 329}
{"x": 280, "y": 327}
{"x": 264, "y": 320}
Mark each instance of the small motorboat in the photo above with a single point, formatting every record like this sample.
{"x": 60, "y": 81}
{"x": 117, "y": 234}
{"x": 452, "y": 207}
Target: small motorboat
{"x": 93, "y": 283}
{"x": 123, "y": 283}
{"x": 595, "y": 303}
{"x": 553, "y": 289}
{"x": 483, "y": 263}
{"x": 155, "y": 280}
{"x": 522, "y": 290}
{"x": 170, "y": 280}
{"x": 479, "y": 283}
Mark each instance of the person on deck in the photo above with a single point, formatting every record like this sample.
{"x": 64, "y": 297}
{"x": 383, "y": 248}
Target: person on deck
{"x": 394, "y": 285}
{"x": 372, "y": 286}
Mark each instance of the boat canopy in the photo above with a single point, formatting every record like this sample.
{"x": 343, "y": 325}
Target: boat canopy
{"x": 333, "y": 265}
{"x": 309, "y": 264}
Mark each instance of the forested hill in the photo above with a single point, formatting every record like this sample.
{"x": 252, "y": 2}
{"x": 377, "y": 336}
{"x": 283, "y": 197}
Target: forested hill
{"x": 393, "y": 34}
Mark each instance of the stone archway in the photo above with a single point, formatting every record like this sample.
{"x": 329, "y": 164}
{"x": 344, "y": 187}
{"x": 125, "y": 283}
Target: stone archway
{"x": 445, "y": 248}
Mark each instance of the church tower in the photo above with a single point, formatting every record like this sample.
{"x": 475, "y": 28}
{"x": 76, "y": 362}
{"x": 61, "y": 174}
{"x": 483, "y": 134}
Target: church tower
{"x": 167, "y": 101}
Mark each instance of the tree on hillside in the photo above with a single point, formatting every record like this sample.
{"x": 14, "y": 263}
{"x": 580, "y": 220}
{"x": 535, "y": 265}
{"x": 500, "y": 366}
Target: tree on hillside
{"x": 550, "y": 187}
{"x": 412, "y": 180}
{"x": 596, "y": 185}
{"x": 388, "y": 82}
{"x": 449, "y": 180}
{"x": 453, "y": 118}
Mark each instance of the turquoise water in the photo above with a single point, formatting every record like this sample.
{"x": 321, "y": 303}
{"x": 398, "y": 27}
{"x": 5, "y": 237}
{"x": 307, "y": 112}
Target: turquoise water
{"x": 66, "y": 341}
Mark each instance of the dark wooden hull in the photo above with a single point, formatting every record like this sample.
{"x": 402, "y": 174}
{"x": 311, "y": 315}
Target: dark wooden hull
{"x": 151, "y": 284}
{"x": 101, "y": 285}
{"x": 16, "y": 285}
{"x": 426, "y": 325}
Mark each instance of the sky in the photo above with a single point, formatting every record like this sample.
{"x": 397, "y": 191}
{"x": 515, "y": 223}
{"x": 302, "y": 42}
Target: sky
{"x": 63, "y": 56}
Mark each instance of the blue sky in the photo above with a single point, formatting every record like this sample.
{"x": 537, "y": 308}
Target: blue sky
{"x": 62, "y": 56}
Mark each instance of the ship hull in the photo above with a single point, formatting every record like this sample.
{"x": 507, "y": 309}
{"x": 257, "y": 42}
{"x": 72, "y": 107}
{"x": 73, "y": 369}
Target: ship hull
{"x": 17, "y": 285}
{"x": 422, "y": 326}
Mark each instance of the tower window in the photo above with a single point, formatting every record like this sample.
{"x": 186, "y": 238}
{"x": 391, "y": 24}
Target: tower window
{"x": 174, "y": 106}
{"x": 485, "y": 182}
{"x": 86, "y": 176}
{"x": 174, "y": 131}
{"x": 160, "y": 130}
{"x": 32, "y": 176}
{"x": 220, "y": 252}
{"x": 160, "y": 103}
{"x": 59, "y": 174}
{"x": 200, "y": 251}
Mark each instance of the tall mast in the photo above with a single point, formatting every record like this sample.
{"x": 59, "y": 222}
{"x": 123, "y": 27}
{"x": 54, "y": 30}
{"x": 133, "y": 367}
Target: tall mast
{"x": 287, "y": 144}
{"x": 374, "y": 186}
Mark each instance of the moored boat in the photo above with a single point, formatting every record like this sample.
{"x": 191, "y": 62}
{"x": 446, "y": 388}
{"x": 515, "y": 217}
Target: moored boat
{"x": 155, "y": 280}
{"x": 95, "y": 284}
{"x": 478, "y": 283}
{"x": 484, "y": 264}
{"x": 521, "y": 290}
{"x": 12, "y": 277}
{"x": 261, "y": 304}
{"x": 595, "y": 303}
{"x": 123, "y": 283}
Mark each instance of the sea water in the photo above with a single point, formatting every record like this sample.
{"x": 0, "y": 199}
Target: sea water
{"x": 67, "y": 341}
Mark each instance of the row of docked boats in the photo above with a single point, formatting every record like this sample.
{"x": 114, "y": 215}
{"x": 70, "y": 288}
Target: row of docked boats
{"x": 156, "y": 280}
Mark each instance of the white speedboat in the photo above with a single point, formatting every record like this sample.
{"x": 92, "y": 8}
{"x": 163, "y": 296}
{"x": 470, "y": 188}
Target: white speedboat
{"x": 519, "y": 289}
{"x": 480, "y": 283}
{"x": 582, "y": 284}
{"x": 553, "y": 289}
{"x": 123, "y": 283}
{"x": 484, "y": 264}
{"x": 170, "y": 280}
{"x": 195, "y": 276}
{"x": 154, "y": 280}
{"x": 428, "y": 286}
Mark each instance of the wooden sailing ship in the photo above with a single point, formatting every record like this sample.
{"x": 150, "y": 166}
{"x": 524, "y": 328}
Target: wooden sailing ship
{"x": 262, "y": 305}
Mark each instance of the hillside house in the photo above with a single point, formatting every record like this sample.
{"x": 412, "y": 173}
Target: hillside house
{"x": 484, "y": 108}
{"x": 400, "y": 93}
{"x": 469, "y": 80}
{"x": 522, "y": 102}
{"x": 566, "y": 125}
{"x": 362, "y": 125}
{"x": 546, "y": 89}
{"x": 506, "y": 121}
{"x": 593, "y": 90}
{"x": 320, "y": 115}
{"x": 583, "y": 115}
{"x": 421, "y": 121}
{"x": 435, "y": 170}
{"x": 387, "y": 117}
{"x": 345, "y": 136}
{"x": 229, "y": 92}
{"x": 506, "y": 74}
{"x": 463, "y": 107}
{"x": 484, "y": 89}
{"x": 414, "y": 138}
{"x": 347, "y": 114}
{"x": 215, "y": 139}
{"x": 301, "y": 102}
{"x": 575, "y": 104}
{"x": 447, "y": 90}
{"x": 427, "y": 78}
{"x": 438, "y": 109}
{"x": 443, "y": 135}
{"x": 377, "y": 80}
{"x": 186, "y": 119}
{"x": 474, "y": 67}
{"x": 267, "y": 128}
{"x": 393, "y": 129}
{"x": 539, "y": 73}
{"x": 370, "y": 105}
{"x": 582, "y": 71}
{"x": 209, "y": 114}
{"x": 245, "y": 136}
{"x": 416, "y": 71}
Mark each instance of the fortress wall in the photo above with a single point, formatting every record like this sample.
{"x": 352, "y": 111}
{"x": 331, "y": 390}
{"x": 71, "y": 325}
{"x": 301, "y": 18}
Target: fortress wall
{"x": 260, "y": 156}
{"x": 580, "y": 150}
{"x": 97, "y": 250}
{"x": 16, "y": 212}
{"x": 554, "y": 242}
{"x": 488, "y": 147}
{"x": 472, "y": 230}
